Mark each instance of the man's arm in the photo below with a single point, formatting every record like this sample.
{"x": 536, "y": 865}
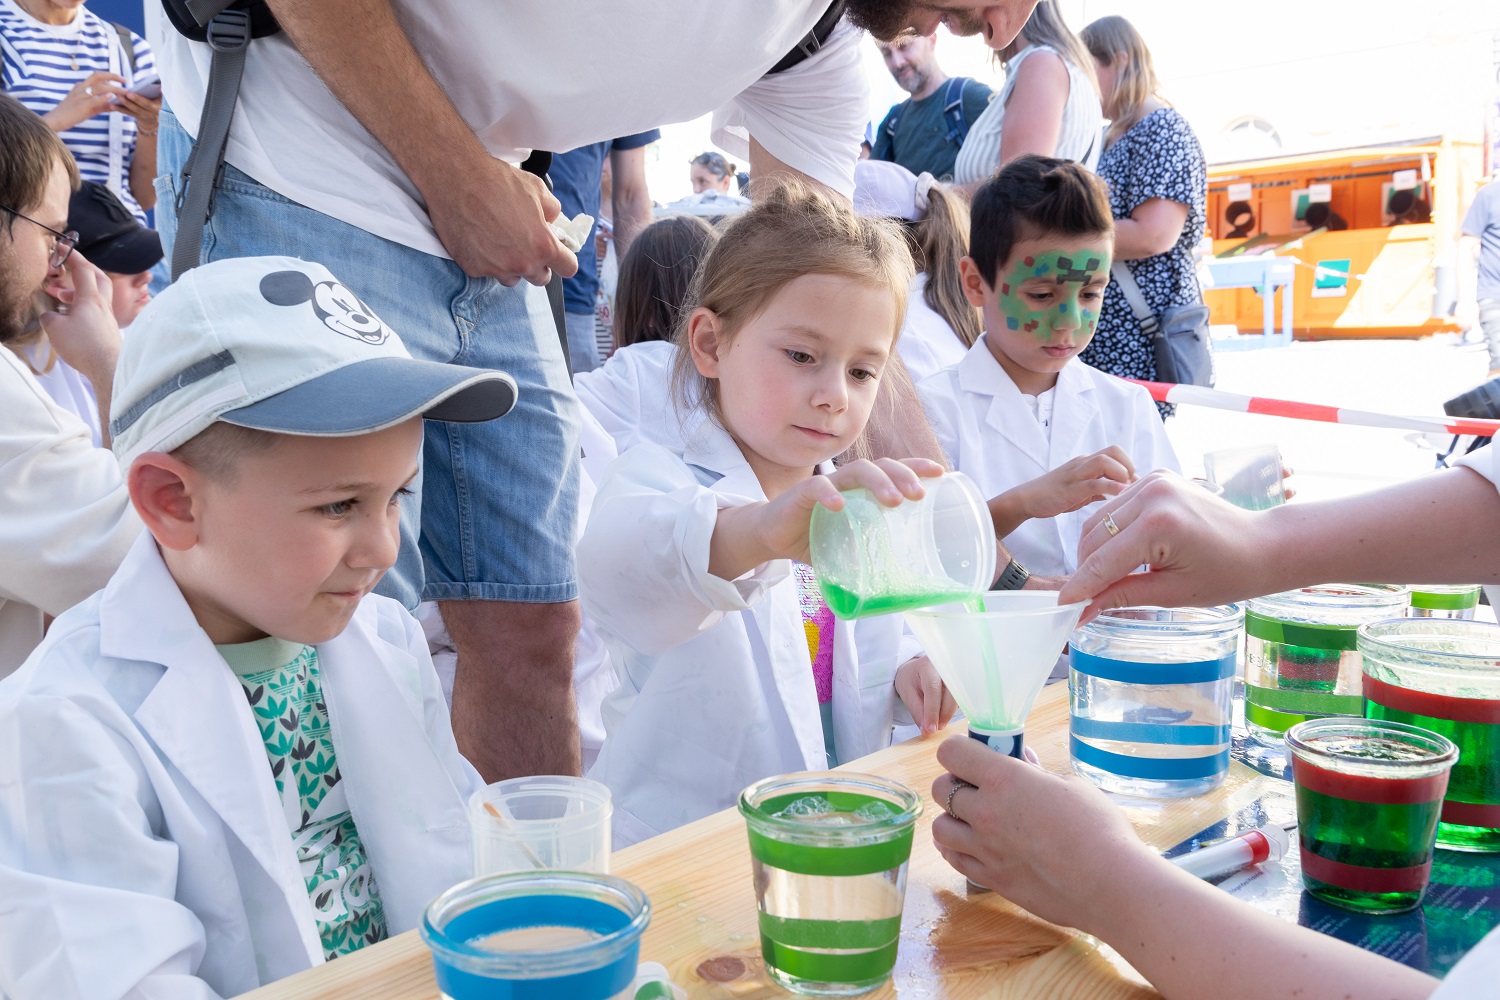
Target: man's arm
{"x": 630, "y": 198}
{"x": 490, "y": 216}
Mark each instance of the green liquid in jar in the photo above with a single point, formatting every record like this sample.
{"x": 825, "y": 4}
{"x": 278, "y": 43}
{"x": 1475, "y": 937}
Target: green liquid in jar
{"x": 1475, "y": 777}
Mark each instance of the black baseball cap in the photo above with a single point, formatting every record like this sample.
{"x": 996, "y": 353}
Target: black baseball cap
{"x": 108, "y": 235}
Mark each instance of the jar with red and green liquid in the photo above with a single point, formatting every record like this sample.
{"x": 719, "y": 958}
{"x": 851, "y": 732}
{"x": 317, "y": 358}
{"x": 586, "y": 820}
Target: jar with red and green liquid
{"x": 1302, "y": 659}
{"x": 1444, "y": 675}
{"x": 1369, "y": 794}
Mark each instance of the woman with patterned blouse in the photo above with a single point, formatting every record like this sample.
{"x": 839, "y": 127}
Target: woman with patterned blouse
{"x": 1158, "y": 190}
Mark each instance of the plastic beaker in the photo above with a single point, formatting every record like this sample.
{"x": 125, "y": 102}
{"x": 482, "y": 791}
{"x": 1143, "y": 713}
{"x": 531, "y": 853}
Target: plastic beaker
{"x": 536, "y": 936}
{"x": 1368, "y": 798}
{"x": 552, "y": 822}
{"x": 1444, "y": 675}
{"x": 829, "y": 852}
{"x": 996, "y": 661}
{"x": 872, "y": 560}
{"x": 1251, "y": 477}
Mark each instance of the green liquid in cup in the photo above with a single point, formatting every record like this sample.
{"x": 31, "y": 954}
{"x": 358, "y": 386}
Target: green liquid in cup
{"x": 1475, "y": 778}
{"x": 847, "y": 605}
{"x": 1375, "y": 837}
{"x": 829, "y": 925}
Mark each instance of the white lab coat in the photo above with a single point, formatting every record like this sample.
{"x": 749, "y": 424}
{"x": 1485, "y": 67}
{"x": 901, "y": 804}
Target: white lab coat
{"x": 143, "y": 851}
{"x": 927, "y": 343}
{"x": 631, "y": 397}
{"x": 716, "y": 684}
{"x": 989, "y": 433}
{"x": 65, "y": 518}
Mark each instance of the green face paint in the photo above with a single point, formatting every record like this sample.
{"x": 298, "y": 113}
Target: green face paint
{"x": 1071, "y": 271}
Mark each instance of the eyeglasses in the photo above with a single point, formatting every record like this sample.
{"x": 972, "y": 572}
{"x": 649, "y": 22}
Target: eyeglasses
{"x": 714, "y": 162}
{"x": 62, "y": 243}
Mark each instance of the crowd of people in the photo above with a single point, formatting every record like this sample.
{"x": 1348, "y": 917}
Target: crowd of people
{"x": 352, "y": 518}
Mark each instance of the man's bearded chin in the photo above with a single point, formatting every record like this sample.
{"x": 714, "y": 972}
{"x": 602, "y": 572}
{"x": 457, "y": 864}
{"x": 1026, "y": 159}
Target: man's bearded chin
{"x": 15, "y": 311}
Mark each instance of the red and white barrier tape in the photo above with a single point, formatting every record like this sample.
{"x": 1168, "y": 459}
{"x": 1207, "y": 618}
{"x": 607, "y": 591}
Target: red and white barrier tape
{"x": 1195, "y": 395}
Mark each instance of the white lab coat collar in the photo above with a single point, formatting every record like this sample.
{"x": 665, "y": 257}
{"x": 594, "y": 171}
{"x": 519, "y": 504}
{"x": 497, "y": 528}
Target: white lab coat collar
{"x": 1009, "y": 415}
{"x": 383, "y": 746}
{"x": 215, "y": 746}
{"x": 709, "y": 447}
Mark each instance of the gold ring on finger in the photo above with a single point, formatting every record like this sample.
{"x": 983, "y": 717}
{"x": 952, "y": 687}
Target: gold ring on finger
{"x": 1110, "y": 525}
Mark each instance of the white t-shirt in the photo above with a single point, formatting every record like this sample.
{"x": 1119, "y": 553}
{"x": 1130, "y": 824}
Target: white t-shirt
{"x": 67, "y": 387}
{"x": 927, "y": 343}
{"x": 554, "y": 75}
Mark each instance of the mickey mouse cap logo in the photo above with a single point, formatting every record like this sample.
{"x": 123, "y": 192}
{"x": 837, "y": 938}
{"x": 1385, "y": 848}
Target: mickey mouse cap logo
{"x": 339, "y": 309}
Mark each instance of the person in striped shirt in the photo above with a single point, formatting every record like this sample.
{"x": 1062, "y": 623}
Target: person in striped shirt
{"x": 74, "y": 69}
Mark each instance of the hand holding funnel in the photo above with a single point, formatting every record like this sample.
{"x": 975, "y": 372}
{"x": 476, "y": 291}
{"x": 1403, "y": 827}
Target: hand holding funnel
{"x": 995, "y": 661}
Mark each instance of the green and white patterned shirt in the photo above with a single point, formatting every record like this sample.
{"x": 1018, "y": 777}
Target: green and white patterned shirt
{"x": 281, "y": 681}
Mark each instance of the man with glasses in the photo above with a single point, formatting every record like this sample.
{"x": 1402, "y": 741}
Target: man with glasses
{"x": 67, "y": 520}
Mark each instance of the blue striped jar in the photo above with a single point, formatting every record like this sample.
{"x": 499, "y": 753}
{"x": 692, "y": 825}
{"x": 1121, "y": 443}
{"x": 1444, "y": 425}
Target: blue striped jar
{"x": 1151, "y": 693}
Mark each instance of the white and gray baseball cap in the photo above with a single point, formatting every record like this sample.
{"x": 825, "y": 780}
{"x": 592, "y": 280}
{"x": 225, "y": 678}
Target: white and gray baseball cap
{"x": 278, "y": 344}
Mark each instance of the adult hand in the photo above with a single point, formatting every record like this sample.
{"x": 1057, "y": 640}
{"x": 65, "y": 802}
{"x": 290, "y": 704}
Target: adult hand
{"x": 94, "y": 94}
{"x": 492, "y": 219}
{"x": 1049, "y": 844}
{"x": 782, "y": 524}
{"x": 1199, "y": 550}
{"x": 924, "y": 694}
{"x": 82, "y": 327}
{"x": 145, "y": 110}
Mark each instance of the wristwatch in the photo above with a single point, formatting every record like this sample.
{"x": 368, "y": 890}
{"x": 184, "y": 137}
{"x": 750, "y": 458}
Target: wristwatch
{"x": 1013, "y": 577}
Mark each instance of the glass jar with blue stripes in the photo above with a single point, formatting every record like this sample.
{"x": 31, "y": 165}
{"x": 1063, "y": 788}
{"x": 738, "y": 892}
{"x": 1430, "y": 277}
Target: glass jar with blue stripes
{"x": 1151, "y": 692}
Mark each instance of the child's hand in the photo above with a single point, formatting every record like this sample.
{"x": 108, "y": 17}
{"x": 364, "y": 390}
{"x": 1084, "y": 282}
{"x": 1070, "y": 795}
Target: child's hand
{"x": 1068, "y": 487}
{"x": 924, "y": 694}
{"x": 1287, "y": 492}
{"x": 784, "y": 521}
{"x": 1078, "y": 483}
{"x": 745, "y": 537}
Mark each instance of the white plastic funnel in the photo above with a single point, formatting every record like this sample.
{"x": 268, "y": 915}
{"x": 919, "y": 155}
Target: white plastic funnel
{"x": 995, "y": 661}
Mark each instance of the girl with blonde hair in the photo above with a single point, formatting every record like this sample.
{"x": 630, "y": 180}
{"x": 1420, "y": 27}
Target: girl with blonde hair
{"x": 694, "y": 562}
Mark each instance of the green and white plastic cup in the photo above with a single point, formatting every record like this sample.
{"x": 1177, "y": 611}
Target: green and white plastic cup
{"x": 830, "y": 880}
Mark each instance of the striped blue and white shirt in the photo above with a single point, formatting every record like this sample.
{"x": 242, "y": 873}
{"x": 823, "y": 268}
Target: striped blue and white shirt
{"x": 40, "y": 63}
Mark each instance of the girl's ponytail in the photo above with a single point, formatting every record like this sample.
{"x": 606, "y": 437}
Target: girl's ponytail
{"x": 942, "y": 240}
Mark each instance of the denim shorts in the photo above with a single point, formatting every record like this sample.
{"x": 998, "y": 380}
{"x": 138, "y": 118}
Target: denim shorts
{"x": 498, "y": 500}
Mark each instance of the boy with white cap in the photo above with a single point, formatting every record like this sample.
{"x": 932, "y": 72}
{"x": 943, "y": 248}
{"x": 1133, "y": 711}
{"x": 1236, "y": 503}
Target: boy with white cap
{"x": 234, "y": 762}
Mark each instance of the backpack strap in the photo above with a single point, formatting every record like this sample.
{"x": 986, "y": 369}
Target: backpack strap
{"x": 953, "y": 110}
{"x": 127, "y": 42}
{"x": 229, "y": 37}
{"x": 811, "y": 42}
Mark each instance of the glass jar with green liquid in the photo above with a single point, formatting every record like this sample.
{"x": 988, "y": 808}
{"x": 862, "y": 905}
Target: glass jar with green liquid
{"x": 1444, "y": 675}
{"x": 1302, "y": 660}
{"x": 871, "y": 559}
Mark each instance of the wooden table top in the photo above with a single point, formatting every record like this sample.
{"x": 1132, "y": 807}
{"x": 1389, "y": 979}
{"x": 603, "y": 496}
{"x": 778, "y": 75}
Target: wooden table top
{"x": 955, "y": 943}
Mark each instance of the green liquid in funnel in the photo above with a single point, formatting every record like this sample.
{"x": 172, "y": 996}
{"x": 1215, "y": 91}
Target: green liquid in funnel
{"x": 846, "y": 604}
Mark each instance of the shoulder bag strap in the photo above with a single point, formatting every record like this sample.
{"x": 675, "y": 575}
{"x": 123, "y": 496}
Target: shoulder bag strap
{"x": 127, "y": 44}
{"x": 1143, "y": 313}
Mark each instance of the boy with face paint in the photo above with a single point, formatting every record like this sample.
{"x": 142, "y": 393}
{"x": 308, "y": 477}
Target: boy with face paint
{"x": 1043, "y": 434}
